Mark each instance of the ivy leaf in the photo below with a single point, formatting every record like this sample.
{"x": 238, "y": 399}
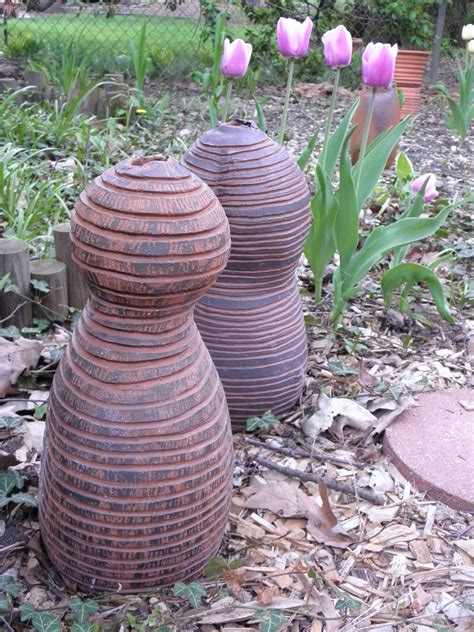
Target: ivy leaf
{"x": 10, "y": 422}
{"x": 192, "y": 592}
{"x": 9, "y": 479}
{"x": 5, "y": 604}
{"x": 44, "y": 622}
{"x": 40, "y": 411}
{"x": 40, "y": 286}
{"x": 84, "y": 627}
{"x": 27, "y": 611}
{"x": 25, "y": 499}
{"x": 346, "y": 601}
{"x": 9, "y": 586}
{"x": 83, "y": 609}
{"x": 10, "y": 332}
{"x": 272, "y": 620}
{"x": 264, "y": 423}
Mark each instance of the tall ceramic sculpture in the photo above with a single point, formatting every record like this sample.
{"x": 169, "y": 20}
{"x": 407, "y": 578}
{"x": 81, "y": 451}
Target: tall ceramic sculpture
{"x": 136, "y": 474}
{"x": 251, "y": 319}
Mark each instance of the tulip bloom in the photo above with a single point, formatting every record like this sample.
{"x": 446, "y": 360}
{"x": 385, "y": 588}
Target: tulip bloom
{"x": 337, "y": 45}
{"x": 468, "y": 32}
{"x": 430, "y": 190}
{"x": 378, "y": 65}
{"x": 470, "y": 47}
{"x": 235, "y": 58}
{"x": 293, "y": 36}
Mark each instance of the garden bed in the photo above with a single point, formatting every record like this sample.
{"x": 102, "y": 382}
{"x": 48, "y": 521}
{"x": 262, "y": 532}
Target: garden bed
{"x": 364, "y": 549}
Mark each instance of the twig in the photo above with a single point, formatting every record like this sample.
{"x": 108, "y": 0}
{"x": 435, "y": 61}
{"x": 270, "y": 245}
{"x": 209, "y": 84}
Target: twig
{"x": 8, "y": 626}
{"x": 299, "y": 452}
{"x": 315, "y": 478}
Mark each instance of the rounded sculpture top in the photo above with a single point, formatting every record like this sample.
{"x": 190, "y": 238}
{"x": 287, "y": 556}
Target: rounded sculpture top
{"x": 149, "y": 233}
{"x": 264, "y": 194}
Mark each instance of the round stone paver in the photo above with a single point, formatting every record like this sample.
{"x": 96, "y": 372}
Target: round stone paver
{"x": 433, "y": 446}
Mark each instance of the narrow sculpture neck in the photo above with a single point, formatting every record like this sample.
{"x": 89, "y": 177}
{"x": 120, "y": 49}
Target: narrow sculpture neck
{"x": 146, "y": 320}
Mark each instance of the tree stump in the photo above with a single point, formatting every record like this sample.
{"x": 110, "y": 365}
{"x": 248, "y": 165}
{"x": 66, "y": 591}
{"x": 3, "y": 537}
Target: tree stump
{"x": 51, "y": 303}
{"x": 15, "y": 261}
{"x": 77, "y": 289}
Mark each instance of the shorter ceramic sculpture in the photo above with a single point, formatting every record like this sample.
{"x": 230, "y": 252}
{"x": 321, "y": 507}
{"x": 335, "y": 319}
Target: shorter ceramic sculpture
{"x": 251, "y": 319}
{"x": 136, "y": 471}
{"x": 386, "y": 114}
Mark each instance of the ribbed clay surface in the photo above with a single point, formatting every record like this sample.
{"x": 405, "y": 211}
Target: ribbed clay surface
{"x": 251, "y": 319}
{"x": 136, "y": 472}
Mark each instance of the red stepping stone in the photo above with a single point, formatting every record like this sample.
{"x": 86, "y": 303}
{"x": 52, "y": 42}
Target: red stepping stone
{"x": 433, "y": 446}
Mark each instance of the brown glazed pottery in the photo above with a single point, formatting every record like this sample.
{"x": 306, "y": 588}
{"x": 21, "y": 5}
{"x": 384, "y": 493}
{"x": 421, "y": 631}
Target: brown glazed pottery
{"x": 251, "y": 318}
{"x": 386, "y": 114}
{"x": 136, "y": 474}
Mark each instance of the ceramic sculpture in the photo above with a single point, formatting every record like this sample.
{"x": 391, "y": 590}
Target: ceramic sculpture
{"x": 251, "y": 319}
{"x": 136, "y": 473}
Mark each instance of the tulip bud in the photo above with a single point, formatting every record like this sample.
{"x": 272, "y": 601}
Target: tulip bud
{"x": 470, "y": 47}
{"x": 468, "y": 32}
{"x": 337, "y": 47}
{"x": 235, "y": 58}
{"x": 378, "y": 65}
{"x": 293, "y": 37}
{"x": 430, "y": 190}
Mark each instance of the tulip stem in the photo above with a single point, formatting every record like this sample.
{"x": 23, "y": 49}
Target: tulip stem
{"x": 330, "y": 117}
{"x": 365, "y": 136}
{"x": 284, "y": 114}
{"x": 227, "y": 99}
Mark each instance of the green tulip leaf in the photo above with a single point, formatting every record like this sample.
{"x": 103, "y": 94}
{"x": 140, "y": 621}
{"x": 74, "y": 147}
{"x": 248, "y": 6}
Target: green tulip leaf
{"x": 346, "y": 227}
{"x": 375, "y": 160}
{"x": 409, "y": 274}
{"x": 403, "y": 166}
{"x": 308, "y": 151}
{"x": 337, "y": 138}
{"x": 384, "y": 239}
{"x": 320, "y": 245}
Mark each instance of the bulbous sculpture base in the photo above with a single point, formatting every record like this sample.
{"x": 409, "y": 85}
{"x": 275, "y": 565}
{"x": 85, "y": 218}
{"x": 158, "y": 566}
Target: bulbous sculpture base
{"x": 138, "y": 456}
{"x": 258, "y": 343}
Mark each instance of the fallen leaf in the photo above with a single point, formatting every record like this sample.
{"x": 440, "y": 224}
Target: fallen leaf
{"x": 347, "y": 411}
{"x": 15, "y": 357}
{"x": 285, "y": 499}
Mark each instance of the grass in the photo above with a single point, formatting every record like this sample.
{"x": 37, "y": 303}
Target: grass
{"x": 176, "y": 42}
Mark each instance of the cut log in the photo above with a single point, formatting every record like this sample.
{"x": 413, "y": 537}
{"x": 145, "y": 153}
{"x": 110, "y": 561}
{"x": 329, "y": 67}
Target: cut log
{"x": 52, "y": 304}
{"x": 78, "y": 291}
{"x": 15, "y": 260}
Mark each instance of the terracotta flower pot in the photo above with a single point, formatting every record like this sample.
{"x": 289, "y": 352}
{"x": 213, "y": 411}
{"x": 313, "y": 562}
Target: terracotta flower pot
{"x": 386, "y": 114}
{"x": 410, "y": 67}
{"x": 251, "y": 319}
{"x": 409, "y": 72}
{"x": 136, "y": 473}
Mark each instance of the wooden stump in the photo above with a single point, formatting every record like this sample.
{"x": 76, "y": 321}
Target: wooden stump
{"x": 52, "y": 305}
{"x": 78, "y": 291}
{"x": 15, "y": 260}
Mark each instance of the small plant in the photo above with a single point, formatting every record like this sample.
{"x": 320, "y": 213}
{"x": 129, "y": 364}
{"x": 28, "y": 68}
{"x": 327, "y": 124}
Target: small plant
{"x": 9, "y": 481}
{"x": 462, "y": 111}
{"x": 271, "y": 620}
{"x": 141, "y": 64}
{"x": 264, "y": 423}
{"x": 193, "y": 592}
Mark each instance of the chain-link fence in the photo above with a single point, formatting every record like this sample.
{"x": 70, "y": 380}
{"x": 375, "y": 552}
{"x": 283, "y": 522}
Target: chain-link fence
{"x": 179, "y": 31}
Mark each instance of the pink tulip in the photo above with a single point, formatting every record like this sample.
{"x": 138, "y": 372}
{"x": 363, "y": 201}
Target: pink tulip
{"x": 235, "y": 58}
{"x": 430, "y": 191}
{"x": 337, "y": 47}
{"x": 293, "y": 37}
{"x": 378, "y": 65}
